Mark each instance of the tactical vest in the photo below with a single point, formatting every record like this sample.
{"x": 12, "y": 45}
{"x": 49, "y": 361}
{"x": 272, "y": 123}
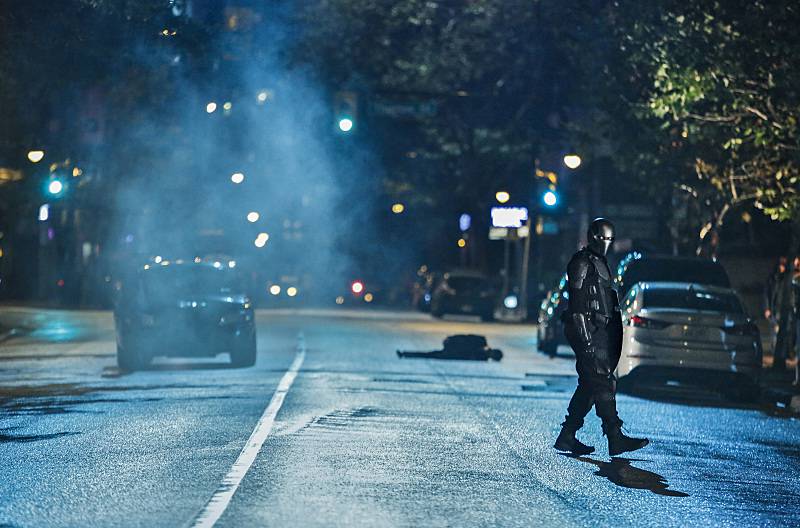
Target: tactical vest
{"x": 603, "y": 300}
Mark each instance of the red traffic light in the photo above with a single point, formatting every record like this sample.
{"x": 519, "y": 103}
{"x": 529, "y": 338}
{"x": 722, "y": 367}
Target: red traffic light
{"x": 357, "y": 287}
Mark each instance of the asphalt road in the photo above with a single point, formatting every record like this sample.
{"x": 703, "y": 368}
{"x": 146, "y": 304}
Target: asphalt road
{"x": 348, "y": 434}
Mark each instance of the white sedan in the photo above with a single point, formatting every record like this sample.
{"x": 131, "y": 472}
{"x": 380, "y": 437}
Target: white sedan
{"x": 688, "y": 329}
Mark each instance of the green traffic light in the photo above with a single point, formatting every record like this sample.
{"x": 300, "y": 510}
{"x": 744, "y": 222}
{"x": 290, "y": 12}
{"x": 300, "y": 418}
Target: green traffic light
{"x": 55, "y": 187}
{"x": 346, "y": 124}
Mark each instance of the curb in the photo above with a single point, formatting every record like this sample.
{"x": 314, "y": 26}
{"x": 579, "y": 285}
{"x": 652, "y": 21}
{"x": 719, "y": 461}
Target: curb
{"x": 781, "y": 398}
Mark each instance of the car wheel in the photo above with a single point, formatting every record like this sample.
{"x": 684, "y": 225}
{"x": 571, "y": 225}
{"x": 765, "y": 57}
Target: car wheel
{"x": 244, "y": 354}
{"x": 550, "y": 347}
{"x": 129, "y": 358}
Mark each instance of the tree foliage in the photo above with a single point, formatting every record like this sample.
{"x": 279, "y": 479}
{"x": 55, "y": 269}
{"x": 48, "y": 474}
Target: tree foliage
{"x": 721, "y": 80}
{"x": 494, "y": 69}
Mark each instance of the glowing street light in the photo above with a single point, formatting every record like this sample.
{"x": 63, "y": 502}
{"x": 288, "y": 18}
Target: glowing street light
{"x": 462, "y": 243}
{"x": 572, "y": 161}
{"x": 237, "y": 177}
{"x": 211, "y": 107}
{"x": 398, "y": 208}
{"x": 368, "y": 298}
{"x": 345, "y": 124}
{"x": 261, "y": 240}
{"x": 227, "y": 106}
{"x": 291, "y": 291}
{"x": 275, "y": 289}
{"x": 252, "y": 217}
{"x": 35, "y": 156}
{"x": 502, "y": 196}
{"x": 357, "y": 287}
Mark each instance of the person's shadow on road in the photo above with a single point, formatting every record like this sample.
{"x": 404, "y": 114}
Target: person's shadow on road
{"x": 622, "y": 473}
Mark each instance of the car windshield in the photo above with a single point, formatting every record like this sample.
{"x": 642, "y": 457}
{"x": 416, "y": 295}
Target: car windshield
{"x": 467, "y": 283}
{"x": 690, "y": 299}
{"x": 171, "y": 281}
{"x": 675, "y": 270}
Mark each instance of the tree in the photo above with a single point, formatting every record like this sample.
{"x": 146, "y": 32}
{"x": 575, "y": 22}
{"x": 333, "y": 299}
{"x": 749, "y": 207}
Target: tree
{"x": 721, "y": 81}
{"x": 494, "y": 69}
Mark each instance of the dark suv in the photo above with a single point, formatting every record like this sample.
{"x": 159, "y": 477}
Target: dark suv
{"x": 182, "y": 308}
{"x": 464, "y": 292}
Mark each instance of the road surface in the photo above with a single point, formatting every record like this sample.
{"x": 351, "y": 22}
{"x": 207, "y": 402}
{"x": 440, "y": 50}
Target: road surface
{"x": 331, "y": 428}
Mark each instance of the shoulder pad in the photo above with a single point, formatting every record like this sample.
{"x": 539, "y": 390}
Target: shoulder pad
{"x": 578, "y": 268}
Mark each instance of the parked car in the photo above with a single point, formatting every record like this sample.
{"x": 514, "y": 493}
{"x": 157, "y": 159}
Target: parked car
{"x": 636, "y": 267}
{"x": 464, "y": 292}
{"x": 183, "y": 308}
{"x": 550, "y": 330}
{"x": 689, "y": 330}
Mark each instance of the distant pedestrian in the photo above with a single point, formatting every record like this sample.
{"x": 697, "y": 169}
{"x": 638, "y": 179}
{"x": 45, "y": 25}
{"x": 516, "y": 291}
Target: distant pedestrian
{"x": 796, "y": 310}
{"x": 778, "y": 311}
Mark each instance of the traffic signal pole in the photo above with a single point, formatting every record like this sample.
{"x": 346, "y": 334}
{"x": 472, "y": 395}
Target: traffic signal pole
{"x": 523, "y": 288}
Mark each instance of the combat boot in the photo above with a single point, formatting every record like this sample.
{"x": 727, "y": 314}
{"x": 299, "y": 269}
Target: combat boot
{"x": 619, "y": 443}
{"x": 566, "y": 441}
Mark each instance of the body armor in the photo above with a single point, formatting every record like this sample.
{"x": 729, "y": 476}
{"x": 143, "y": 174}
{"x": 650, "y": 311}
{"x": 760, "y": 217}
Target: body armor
{"x": 594, "y": 331}
{"x": 592, "y": 297}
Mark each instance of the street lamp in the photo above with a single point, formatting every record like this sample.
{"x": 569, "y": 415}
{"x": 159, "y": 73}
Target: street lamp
{"x": 502, "y": 196}
{"x": 35, "y": 156}
{"x": 261, "y": 240}
{"x": 572, "y": 161}
{"x": 252, "y": 217}
{"x": 237, "y": 177}
{"x": 211, "y": 107}
{"x": 398, "y": 208}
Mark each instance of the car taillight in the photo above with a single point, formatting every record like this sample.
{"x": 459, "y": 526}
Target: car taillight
{"x": 643, "y": 322}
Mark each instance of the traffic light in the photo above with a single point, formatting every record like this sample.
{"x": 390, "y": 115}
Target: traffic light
{"x": 346, "y": 111}
{"x": 550, "y": 198}
{"x": 55, "y": 187}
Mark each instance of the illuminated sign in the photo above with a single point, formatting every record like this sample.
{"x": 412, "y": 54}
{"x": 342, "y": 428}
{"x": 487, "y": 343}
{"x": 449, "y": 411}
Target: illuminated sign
{"x": 509, "y": 216}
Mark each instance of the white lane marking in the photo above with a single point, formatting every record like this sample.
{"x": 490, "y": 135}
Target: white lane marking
{"x": 219, "y": 501}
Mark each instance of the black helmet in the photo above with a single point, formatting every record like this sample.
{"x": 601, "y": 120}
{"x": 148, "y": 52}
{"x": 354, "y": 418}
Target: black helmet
{"x": 600, "y": 235}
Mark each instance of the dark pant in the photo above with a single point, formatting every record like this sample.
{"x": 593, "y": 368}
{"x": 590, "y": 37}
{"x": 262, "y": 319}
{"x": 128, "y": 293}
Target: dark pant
{"x": 596, "y": 382}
